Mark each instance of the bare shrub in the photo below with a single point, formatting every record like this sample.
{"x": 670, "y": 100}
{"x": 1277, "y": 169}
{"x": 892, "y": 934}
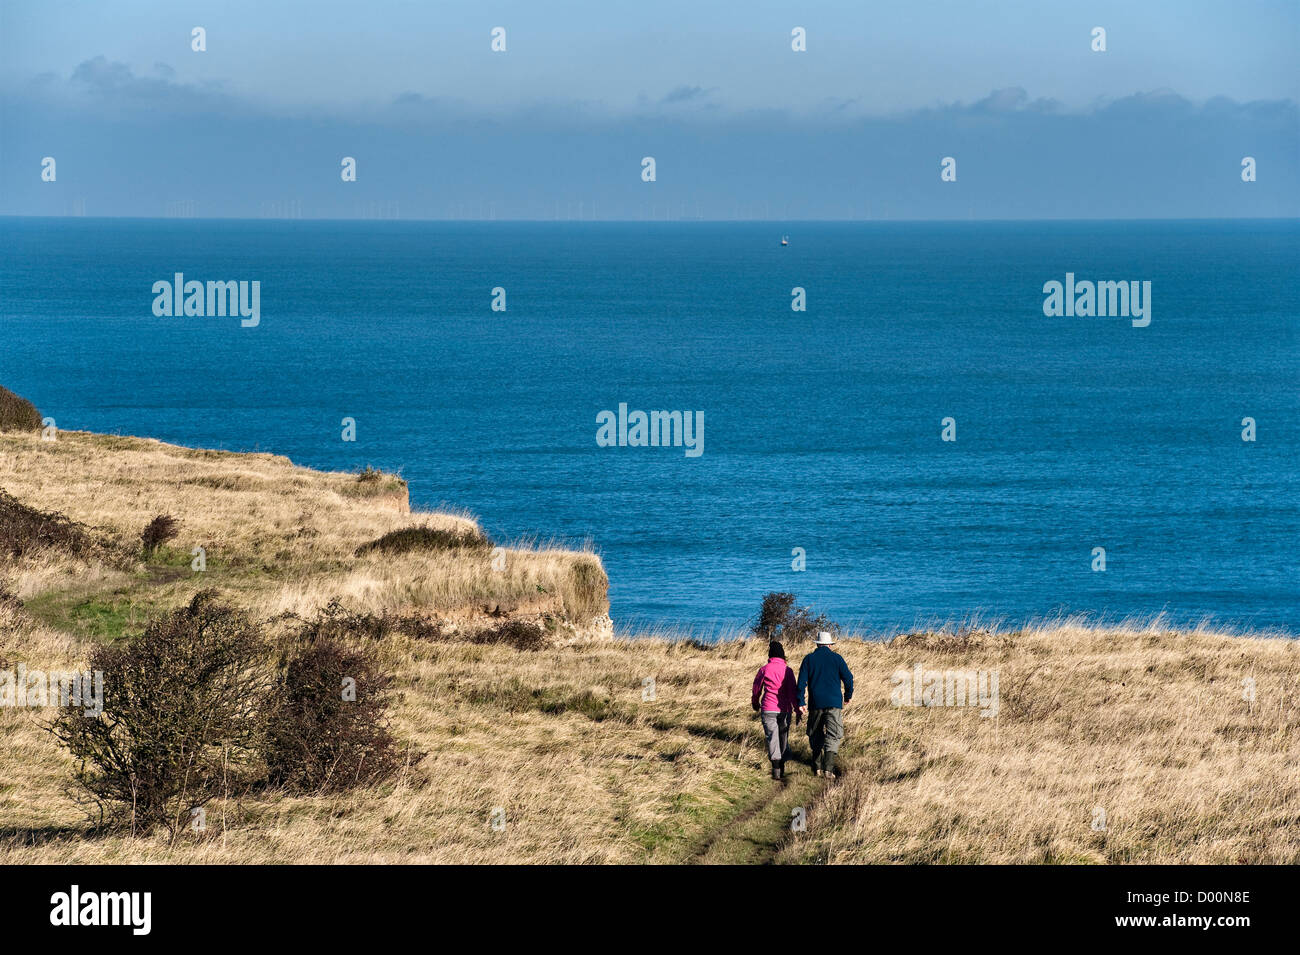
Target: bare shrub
{"x": 24, "y": 529}
{"x": 779, "y": 619}
{"x": 157, "y": 532}
{"x": 327, "y": 725}
{"x": 182, "y": 716}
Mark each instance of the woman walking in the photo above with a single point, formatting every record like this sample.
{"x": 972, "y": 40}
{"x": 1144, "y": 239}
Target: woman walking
{"x": 774, "y": 697}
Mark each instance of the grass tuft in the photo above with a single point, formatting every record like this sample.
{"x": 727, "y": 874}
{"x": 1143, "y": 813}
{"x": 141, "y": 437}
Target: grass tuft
{"x": 409, "y": 539}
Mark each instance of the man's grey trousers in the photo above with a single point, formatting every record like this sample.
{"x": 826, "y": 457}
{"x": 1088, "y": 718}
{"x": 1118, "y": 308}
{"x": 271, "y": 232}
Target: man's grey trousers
{"x": 825, "y": 733}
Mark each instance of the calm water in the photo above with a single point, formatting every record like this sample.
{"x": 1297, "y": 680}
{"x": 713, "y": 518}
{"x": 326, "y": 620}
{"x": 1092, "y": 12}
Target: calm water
{"x": 822, "y": 429}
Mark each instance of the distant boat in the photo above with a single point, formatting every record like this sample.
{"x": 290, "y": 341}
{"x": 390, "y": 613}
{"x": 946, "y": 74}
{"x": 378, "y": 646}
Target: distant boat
{"x": 785, "y": 240}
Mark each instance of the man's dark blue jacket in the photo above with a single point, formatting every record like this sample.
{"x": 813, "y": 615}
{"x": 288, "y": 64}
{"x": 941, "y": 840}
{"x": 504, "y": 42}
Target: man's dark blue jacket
{"x": 820, "y": 674}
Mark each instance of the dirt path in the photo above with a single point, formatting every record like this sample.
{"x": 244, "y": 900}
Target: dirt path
{"x": 757, "y": 833}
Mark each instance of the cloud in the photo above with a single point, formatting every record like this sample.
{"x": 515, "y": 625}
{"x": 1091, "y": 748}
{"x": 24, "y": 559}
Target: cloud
{"x": 840, "y": 104}
{"x": 1001, "y": 102}
{"x": 685, "y": 94}
{"x": 104, "y": 83}
{"x": 105, "y": 76}
{"x": 1012, "y": 99}
{"x": 411, "y": 98}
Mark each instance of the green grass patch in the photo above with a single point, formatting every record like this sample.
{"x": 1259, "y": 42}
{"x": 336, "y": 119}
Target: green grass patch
{"x": 97, "y": 616}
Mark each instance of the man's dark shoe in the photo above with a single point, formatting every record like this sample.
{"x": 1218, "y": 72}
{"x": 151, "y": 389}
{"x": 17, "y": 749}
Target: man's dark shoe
{"x": 776, "y": 770}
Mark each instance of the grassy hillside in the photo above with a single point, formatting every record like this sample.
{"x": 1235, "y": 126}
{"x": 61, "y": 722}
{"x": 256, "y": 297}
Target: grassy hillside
{"x": 561, "y": 747}
{"x": 276, "y": 538}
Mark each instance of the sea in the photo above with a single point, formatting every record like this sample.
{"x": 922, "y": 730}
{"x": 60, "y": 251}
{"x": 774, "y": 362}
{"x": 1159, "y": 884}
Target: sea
{"x": 920, "y": 445}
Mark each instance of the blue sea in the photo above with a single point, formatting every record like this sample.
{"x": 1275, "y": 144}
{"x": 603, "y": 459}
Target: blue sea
{"x": 822, "y": 428}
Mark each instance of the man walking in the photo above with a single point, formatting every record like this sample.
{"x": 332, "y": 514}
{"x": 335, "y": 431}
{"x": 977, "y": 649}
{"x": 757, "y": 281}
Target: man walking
{"x": 821, "y": 674}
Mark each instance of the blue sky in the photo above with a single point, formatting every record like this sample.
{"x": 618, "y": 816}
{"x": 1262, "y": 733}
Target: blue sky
{"x": 737, "y": 120}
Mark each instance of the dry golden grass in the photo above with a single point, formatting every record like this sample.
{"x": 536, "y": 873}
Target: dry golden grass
{"x": 1146, "y": 723}
{"x": 275, "y": 535}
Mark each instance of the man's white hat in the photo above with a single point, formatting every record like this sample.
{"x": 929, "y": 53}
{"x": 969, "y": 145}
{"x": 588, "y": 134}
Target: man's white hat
{"x": 824, "y": 639}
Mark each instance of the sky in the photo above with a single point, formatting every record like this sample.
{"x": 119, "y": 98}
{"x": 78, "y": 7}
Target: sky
{"x": 740, "y": 125}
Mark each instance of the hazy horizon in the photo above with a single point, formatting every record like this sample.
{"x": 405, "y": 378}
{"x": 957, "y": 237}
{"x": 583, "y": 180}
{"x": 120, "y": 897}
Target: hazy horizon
{"x": 674, "y": 221}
